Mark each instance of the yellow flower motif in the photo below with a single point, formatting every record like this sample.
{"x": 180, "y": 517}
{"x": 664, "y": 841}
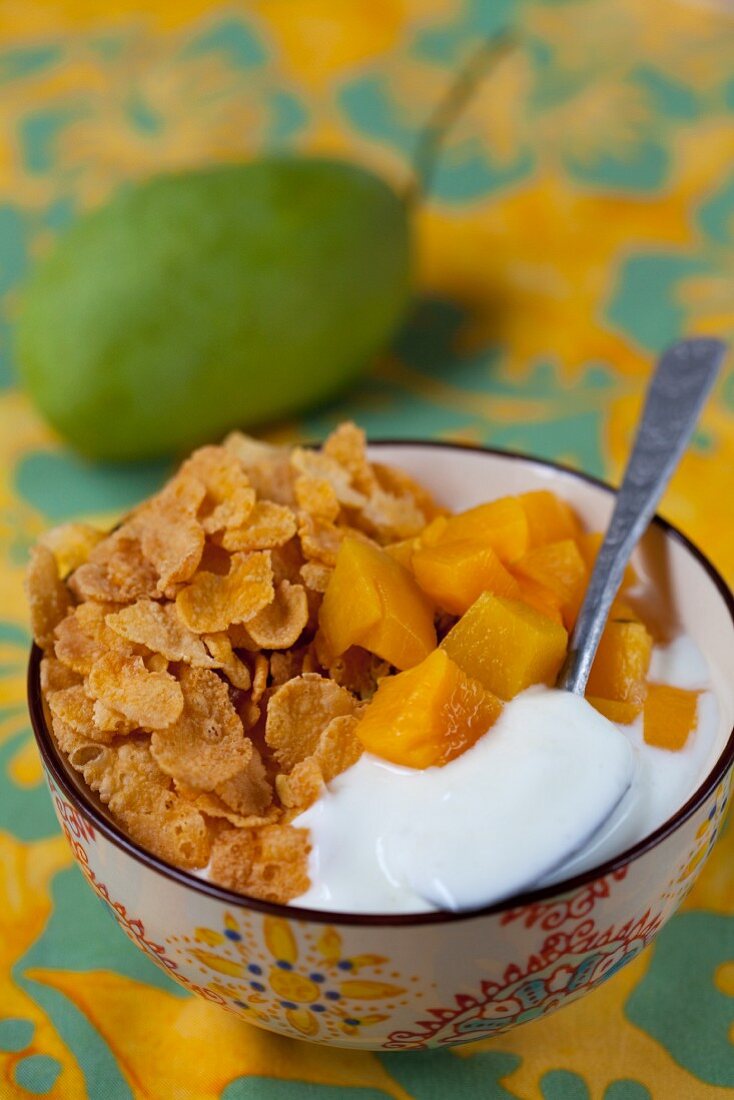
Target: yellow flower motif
{"x": 315, "y": 986}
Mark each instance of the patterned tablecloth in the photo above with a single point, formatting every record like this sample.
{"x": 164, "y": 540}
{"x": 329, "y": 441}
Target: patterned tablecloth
{"x": 582, "y": 216}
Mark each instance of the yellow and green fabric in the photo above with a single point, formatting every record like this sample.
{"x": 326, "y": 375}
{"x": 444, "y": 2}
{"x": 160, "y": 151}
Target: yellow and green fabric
{"x": 581, "y": 217}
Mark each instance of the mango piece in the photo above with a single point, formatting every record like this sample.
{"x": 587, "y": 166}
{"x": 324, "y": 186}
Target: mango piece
{"x": 501, "y": 524}
{"x": 559, "y": 567}
{"x": 211, "y": 299}
{"x": 614, "y": 710}
{"x": 620, "y": 667}
{"x": 550, "y": 519}
{"x": 539, "y": 597}
{"x": 402, "y": 551}
{"x": 453, "y": 574}
{"x": 670, "y": 716}
{"x": 373, "y": 602}
{"x": 428, "y": 715}
{"x": 506, "y": 645}
{"x": 589, "y": 544}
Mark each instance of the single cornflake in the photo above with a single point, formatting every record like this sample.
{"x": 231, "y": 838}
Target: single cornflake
{"x": 298, "y": 712}
{"x": 267, "y": 467}
{"x": 71, "y": 544}
{"x": 260, "y": 677}
{"x": 55, "y": 676}
{"x": 229, "y": 496}
{"x": 83, "y": 637}
{"x": 111, "y": 721}
{"x": 392, "y": 517}
{"x": 47, "y": 595}
{"x": 299, "y": 789}
{"x": 211, "y": 805}
{"x": 270, "y": 863}
{"x": 320, "y": 540}
{"x": 347, "y": 446}
{"x": 153, "y": 700}
{"x": 171, "y": 537}
{"x": 248, "y": 792}
{"x": 236, "y": 671}
{"x": 396, "y": 482}
{"x": 317, "y": 496}
{"x": 211, "y": 602}
{"x": 156, "y": 662}
{"x": 268, "y": 525}
{"x": 171, "y": 829}
{"x": 207, "y": 744}
{"x": 318, "y": 466}
{"x": 159, "y": 627}
{"x": 117, "y": 570}
{"x": 80, "y": 749}
{"x": 338, "y": 748}
{"x": 75, "y": 709}
{"x": 316, "y": 576}
{"x": 281, "y": 623}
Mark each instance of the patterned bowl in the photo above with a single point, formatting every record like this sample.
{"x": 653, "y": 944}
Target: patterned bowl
{"x": 400, "y": 982}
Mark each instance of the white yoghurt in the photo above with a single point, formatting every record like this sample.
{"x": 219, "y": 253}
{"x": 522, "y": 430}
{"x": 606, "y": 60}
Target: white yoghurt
{"x": 552, "y": 789}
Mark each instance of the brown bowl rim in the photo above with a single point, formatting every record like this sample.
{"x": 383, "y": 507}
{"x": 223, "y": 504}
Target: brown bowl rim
{"x": 50, "y": 757}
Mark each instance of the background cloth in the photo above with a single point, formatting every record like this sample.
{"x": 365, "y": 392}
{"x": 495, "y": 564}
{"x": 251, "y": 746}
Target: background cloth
{"x": 582, "y": 216}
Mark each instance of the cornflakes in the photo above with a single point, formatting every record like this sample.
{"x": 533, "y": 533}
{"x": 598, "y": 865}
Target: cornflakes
{"x": 55, "y": 676}
{"x": 229, "y": 496}
{"x": 48, "y": 596}
{"x": 316, "y": 576}
{"x": 171, "y": 538}
{"x": 317, "y": 496}
{"x": 83, "y": 637}
{"x": 71, "y": 544}
{"x": 153, "y": 700}
{"x": 269, "y": 525}
{"x": 281, "y": 623}
{"x": 206, "y": 744}
{"x": 182, "y": 667}
{"x": 75, "y": 709}
{"x": 270, "y": 863}
{"x": 297, "y": 714}
{"x": 117, "y": 570}
{"x": 158, "y": 627}
{"x": 236, "y": 671}
{"x": 211, "y": 602}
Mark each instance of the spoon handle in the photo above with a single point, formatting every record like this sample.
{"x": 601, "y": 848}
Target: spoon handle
{"x": 680, "y": 385}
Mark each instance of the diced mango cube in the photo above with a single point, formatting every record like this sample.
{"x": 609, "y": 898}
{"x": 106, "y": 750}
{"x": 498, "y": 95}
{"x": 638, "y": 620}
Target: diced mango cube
{"x": 589, "y": 544}
{"x": 559, "y": 567}
{"x": 453, "y": 574}
{"x": 614, "y": 709}
{"x": 550, "y": 519}
{"x": 373, "y": 602}
{"x": 539, "y": 597}
{"x": 506, "y": 645}
{"x": 427, "y": 715}
{"x": 501, "y": 524}
{"x": 621, "y": 663}
{"x": 670, "y": 716}
{"x": 402, "y": 551}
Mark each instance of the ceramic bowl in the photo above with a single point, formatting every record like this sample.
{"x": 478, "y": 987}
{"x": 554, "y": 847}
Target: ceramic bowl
{"x": 400, "y": 982}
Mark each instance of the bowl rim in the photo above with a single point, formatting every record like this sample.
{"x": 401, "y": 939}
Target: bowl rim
{"x": 79, "y": 797}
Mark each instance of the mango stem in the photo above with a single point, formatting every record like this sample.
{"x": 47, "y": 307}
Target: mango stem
{"x": 448, "y": 109}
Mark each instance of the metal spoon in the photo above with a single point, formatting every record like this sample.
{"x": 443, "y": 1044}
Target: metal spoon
{"x": 682, "y": 381}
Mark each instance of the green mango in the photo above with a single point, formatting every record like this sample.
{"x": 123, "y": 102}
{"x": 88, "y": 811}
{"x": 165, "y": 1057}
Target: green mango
{"x": 207, "y": 300}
